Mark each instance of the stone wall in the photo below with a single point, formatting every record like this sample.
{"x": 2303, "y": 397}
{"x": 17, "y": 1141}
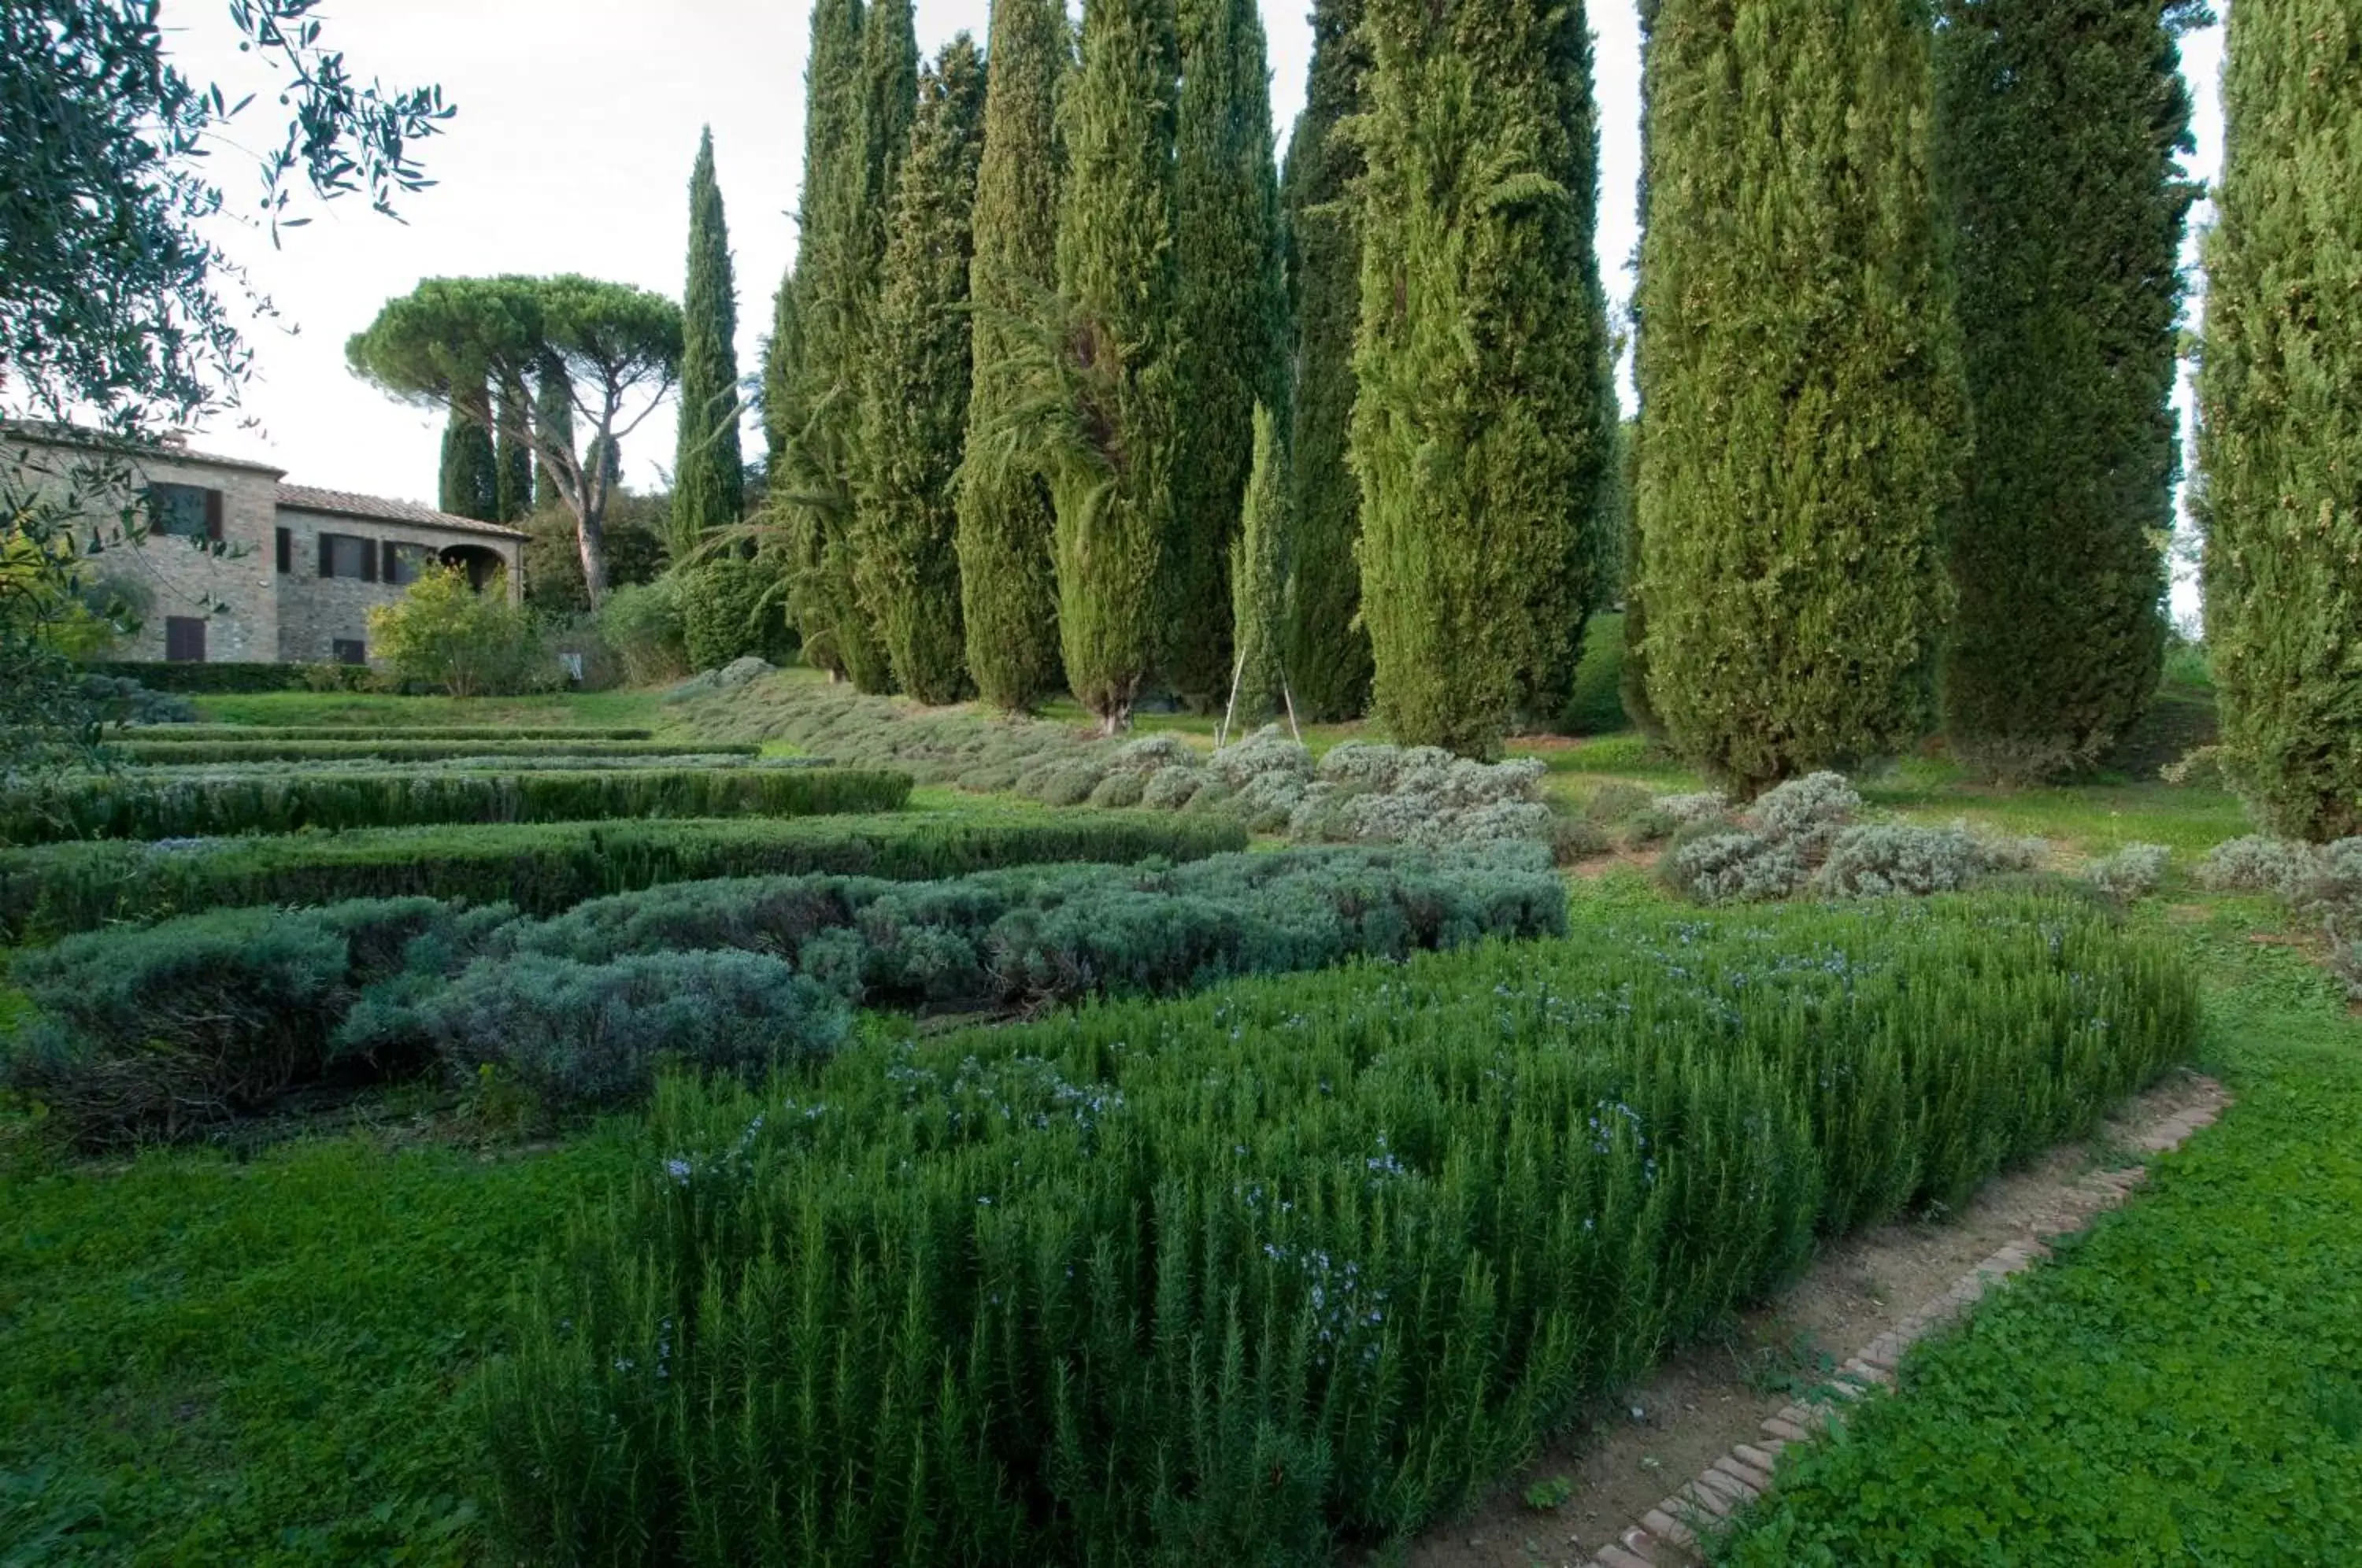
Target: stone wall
{"x": 230, "y": 585}
{"x": 315, "y": 611}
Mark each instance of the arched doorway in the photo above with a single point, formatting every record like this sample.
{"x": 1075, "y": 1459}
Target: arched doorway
{"x": 481, "y": 565}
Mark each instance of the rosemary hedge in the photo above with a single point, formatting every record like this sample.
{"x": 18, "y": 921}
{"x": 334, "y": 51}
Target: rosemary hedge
{"x": 128, "y": 806}
{"x": 401, "y": 749}
{"x": 218, "y": 732}
{"x": 543, "y": 867}
{"x": 1235, "y": 1278}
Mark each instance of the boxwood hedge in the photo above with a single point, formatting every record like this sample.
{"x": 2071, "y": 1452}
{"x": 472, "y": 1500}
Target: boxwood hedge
{"x": 403, "y": 748}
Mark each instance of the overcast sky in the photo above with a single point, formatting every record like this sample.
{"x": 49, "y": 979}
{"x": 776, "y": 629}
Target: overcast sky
{"x": 577, "y": 123}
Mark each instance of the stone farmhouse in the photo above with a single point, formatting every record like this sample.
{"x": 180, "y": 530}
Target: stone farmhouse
{"x": 239, "y": 566}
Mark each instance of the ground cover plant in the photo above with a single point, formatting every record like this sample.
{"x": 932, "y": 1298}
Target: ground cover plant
{"x": 177, "y": 734}
{"x": 395, "y": 749}
{"x": 1224, "y": 1279}
{"x": 130, "y": 806}
{"x": 2183, "y": 1383}
{"x": 171, "y": 1028}
{"x": 543, "y": 868}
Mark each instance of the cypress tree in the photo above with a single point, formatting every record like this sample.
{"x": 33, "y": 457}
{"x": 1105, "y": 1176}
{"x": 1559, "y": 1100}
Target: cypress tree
{"x": 468, "y": 481}
{"x": 2281, "y": 403}
{"x": 2058, "y": 127}
{"x": 1328, "y": 648}
{"x": 1110, "y": 461}
{"x": 915, "y": 389}
{"x": 1231, "y": 351}
{"x": 1007, "y": 589}
{"x": 1480, "y": 435}
{"x": 709, "y": 486}
{"x": 782, "y": 369}
{"x": 1800, "y": 384}
{"x": 1259, "y": 572}
{"x": 834, "y": 272}
{"x": 552, "y": 414}
{"x": 513, "y": 408}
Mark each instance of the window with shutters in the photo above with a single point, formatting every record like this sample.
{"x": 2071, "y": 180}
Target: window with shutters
{"x": 405, "y": 564}
{"x": 184, "y": 639}
{"x": 348, "y": 650}
{"x": 346, "y": 554}
{"x": 184, "y": 512}
{"x": 286, "y": 543}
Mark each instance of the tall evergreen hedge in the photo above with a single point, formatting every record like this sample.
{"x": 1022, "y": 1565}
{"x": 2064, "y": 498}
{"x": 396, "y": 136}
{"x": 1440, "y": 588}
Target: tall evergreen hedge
{"x": 1008, "y": 597}
{"x": 2280, "y": 435}
{"x": 1232, "y": 349}
{"x": 1259, "y": 576}
{"x": 709, "y": 472}
{"x": 915, "y": 390}
{"x": 1800, "y": 382}
{"x": 1482, "y": 420}
{"x": 1110, "y": 450}
{"x": 469, "y": 482}
{"x": 1328, "y": 653}
{"x": 2058, "y": 131}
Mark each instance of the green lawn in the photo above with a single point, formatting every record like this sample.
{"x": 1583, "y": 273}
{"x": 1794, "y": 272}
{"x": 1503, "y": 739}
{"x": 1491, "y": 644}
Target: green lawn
{"x": 2181, "y": 1386}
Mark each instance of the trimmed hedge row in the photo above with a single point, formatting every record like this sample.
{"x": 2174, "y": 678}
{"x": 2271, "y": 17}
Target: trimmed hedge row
{"x": 130, "y": 806}
{"x": 222, "y": 679}
{"x": 1234, "y": 1278}
{"x": 219, "y": 1013}
{"x": 545, "y": 868}
{"x": 398, "y": 750}
{"x": 178, "y": 733}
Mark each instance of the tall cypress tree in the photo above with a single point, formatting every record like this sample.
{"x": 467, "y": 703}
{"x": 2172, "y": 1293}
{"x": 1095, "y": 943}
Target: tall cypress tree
{"x": 513, "y": 408}
{"x": 552, "y": 414}
{"x": 1328, "y": 648}
{"x": 1479, "y": 434}
{"x": 1111, "y": 460}
{"x": 2057, "y": 130}
{"x": 709, "y": 486}
{"x": 1802, "y": 426}
{"x": 468, "y": 484}
{"x": 915, "y": 389}
{"x": 1259, "y": 574}
{"x": 1007, "y": 589}
{"x": 1231, "y": 352}
{"x": 847, "y": 95}
{"x": 2280, "y": 398}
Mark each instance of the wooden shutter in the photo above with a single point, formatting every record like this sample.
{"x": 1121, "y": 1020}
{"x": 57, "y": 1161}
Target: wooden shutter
{"x": 368, "y": 561}
{"x": 386, "y": 568}
{"x": 184, "y": 639}
{"x": 285, "y": 539}
{"x": 214, "y": 515}
{"x": 328, "y": 564}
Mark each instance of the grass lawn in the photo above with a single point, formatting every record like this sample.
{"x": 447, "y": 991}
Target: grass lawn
{"x": 2184, "y": 1384}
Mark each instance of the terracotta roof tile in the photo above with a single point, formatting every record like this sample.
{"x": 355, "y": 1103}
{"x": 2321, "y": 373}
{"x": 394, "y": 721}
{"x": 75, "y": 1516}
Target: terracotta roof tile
{"x": 346, "y": 503}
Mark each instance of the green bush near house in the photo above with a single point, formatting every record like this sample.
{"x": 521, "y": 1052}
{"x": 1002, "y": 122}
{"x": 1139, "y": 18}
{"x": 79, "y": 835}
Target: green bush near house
{"x": 199, "y": 679}
{"x": 128, "y": 806}
{"x": 543, "y": 867}
{"x": 1230, "y": 1279}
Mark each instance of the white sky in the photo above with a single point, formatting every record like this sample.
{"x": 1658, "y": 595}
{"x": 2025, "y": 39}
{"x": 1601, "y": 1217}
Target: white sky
{"x": 577, "y": 122}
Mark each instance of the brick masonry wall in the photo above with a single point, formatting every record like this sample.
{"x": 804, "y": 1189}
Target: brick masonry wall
{"x": 314, "y": 611}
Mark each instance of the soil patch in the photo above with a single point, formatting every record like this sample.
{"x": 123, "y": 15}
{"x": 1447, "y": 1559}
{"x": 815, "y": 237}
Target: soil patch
{"x": 1626, "y": 1456}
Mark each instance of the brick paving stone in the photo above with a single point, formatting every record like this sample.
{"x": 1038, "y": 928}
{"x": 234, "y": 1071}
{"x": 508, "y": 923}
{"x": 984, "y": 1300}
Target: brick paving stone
{"x": 1730, "y": 1464}
{"x": 1639, "y": 1543}
{"x": 1729, "y": 1485}
{"x": 1764, "y": 1459}
{"x": 1667, "y": 1529}
{"x": 1617, "y": 1557}
{"x": 1704, "y": 1498}
{"x": 1788, "y": 1431}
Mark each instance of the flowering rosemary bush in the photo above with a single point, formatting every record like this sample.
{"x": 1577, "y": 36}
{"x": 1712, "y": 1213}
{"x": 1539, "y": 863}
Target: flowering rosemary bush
{"x": 1235, "y": 1278}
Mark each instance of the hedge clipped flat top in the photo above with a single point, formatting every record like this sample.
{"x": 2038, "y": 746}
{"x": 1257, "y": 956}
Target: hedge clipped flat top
{"x": 130, "y": 806}
{"x": 178, "y": 733}
{"x": 143, "y": 749}
{"x": 1233, "y": 1278}
{"x": 545, "y": 868}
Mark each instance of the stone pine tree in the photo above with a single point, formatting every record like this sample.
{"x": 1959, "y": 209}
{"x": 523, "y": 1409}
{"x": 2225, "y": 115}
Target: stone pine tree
{"x": 709, "y": 472}
{"x": 1231, "y": 351}
{"x": 1007, "y": 589}
{"x": 1259, "y": 574}
{"x": 1108, "y": 452}
{"x": 1479, "y": 435}
{"x": 2058, "y": 132}
{"x": 468, "y": 485}
{"x": 2280, "y": 407}
{"x": 914, "y": 390}
{"x": 1328, "y": 648}
{"x": 1802, "y": 426}
{"x": 513, "y": 408}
